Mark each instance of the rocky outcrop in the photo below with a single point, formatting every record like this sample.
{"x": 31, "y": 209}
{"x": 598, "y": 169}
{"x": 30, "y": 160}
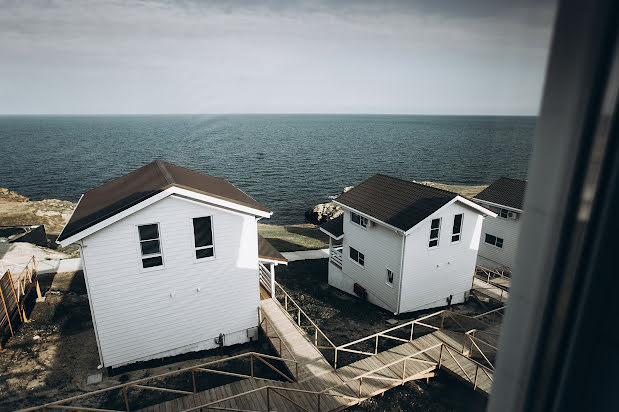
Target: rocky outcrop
{"x": 324, "y": 212}
{"x": 19, "y": 210}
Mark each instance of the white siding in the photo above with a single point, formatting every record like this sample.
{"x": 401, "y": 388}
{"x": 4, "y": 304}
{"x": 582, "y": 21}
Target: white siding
{"x": 432, "y": 275}
{"x": 507, "y": 229}
{"x": 141, "y": 315}
{"x": 382, "y": 248}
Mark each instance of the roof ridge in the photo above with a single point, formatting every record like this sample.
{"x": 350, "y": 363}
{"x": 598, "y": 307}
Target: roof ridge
{"x": 418, "y": 184}
{"x": 165, "y": 172}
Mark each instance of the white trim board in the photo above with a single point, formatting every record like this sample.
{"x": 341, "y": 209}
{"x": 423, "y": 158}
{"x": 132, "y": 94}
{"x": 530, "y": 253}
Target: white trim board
{"x": 153, "y": 199}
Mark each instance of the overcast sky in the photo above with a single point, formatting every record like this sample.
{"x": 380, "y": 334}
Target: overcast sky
{"x": 426, "y": 57}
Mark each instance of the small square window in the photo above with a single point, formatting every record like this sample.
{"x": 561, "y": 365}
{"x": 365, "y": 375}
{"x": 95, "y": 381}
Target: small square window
{"x": 357, "y": 256}
{"x": 358, "y": 219}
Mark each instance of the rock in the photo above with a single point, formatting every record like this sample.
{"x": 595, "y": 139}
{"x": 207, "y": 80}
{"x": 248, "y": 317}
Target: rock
{"x": 324, "y": 212}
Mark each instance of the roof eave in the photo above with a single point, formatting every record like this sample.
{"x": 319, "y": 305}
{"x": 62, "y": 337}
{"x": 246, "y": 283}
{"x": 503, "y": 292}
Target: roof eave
{"x": 396, "y": 229}
{"x": 170, "y": 190}
{"x": 514, "y": 209}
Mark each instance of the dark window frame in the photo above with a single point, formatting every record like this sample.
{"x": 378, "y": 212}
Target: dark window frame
{"x": 456, "y": 232}
{"x": 356, "y": 256}
{"x": 435, "y": 233}
{"x": 203, "y": 249}
{"x": 150, "y": 260}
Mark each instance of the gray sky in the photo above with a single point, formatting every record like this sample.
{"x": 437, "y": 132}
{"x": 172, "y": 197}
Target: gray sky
{"x": 427, "y": 57}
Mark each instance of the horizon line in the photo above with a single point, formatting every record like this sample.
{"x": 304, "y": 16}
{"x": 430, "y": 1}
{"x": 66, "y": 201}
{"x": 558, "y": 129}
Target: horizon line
{"x": 269, "y": 113}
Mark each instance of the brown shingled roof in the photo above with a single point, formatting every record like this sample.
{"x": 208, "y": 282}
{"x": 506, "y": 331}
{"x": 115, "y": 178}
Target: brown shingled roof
{"x": 505, "y": 191}
{"x": 267, "y": 251}
{"x": 397, "y": 202}
{"x": 128, "y": 190}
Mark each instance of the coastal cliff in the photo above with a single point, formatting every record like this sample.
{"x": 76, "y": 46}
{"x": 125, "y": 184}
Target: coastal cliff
{"x": 16, "y": 209}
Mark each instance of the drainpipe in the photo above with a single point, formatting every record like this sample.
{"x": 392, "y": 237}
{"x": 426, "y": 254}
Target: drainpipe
{"x": 401, "y": 273}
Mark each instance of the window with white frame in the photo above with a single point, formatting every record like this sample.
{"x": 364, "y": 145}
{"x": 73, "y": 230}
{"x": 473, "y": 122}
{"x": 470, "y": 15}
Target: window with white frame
{"x": 150, "y": 245}
{"x": 457, "y": 228}
{"x": 494, "y": 241}
{"x": 503, "y": 213}
{"x": 389, "y": 277}
{"x": 203, "y": 237}
{"x": 358, "y": 219}
{"x": 435, "y": 229}
{"x": 357, "y": 256}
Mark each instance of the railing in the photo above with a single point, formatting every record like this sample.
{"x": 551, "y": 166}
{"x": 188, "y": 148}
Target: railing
{"x": 488, "y": 274}
{"x": 265, "y": 277}
{"x": 336, "y": 255}
{"x": 264, "y": 323}
{"x": 493, "y": 292}
{"x": 474, "y": 338}
{"x": 303, "y": 321}
{"x": 478, "y": 366}
{"x": 26, "y": 278}
{"x": 140, "y": 383}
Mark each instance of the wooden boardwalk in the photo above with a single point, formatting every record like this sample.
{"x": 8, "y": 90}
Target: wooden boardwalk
{"x": 321, "y": 387}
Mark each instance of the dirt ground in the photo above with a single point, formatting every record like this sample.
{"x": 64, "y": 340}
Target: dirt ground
{"x": 52, "y": 355}
{"x": 344, "y": 318}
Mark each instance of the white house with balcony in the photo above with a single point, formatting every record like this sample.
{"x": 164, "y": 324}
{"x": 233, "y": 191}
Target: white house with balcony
{"x": 499, "y": 237}
{"x": 172, "y": 262}
{"x": 404, "y": 246}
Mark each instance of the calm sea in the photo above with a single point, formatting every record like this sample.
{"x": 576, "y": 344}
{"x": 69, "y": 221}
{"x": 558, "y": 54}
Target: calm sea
{"x": 287, "y": 162}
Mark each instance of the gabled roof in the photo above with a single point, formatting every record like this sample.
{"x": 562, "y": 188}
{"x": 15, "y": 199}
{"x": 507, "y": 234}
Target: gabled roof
{"x": 396, "y": 202}
{"x": 133, "y": 188}
{"x": 267, "y": 251}
{"x": 334, "y": 227}
{"x": 505, "y": 191}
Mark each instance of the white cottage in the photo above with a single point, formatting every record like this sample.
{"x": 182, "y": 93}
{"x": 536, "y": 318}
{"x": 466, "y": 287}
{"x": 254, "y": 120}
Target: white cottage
{"x": 500, "y": 235}
{"x": 171, "y": 260}
{"x": 404, "y": 246}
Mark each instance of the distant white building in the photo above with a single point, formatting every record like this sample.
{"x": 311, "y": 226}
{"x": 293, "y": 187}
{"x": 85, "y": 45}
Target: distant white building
{"x": 171, "y": 262}
{"x": 404, "y": 246}
{"x": 499, "y": 238}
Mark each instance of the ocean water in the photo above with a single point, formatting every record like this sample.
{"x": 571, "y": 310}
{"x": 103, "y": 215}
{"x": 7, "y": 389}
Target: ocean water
{"x": 287, "y": 162}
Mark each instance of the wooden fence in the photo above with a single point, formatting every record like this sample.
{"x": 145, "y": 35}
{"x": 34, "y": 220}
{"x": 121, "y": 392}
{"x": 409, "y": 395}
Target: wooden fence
{"x": 14, "y": 289}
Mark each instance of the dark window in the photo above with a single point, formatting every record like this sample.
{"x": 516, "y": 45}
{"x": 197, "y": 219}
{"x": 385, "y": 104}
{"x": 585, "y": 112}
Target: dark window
{"x": 150, "y": 246}
{"x": 494, "y": 241}
{"x": 435, "y": 228}
{"x": 457, "y": 229}
{"x": 503, "y": 213}
{"x": 357, "y": 256}
{"x": 203, "y": 237}
{"x": 358, "y": 219}
{"x": 389, "y": 276}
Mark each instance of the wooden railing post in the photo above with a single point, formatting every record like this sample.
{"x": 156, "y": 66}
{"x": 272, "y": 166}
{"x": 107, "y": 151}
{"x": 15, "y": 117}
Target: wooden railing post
{"x": 376, "y": 346}
{"x": 286, "y": 301}
{"x": 440, "y": 357}
{"x": 475, "y": 382}
{"x": 412, "y": 326}
{"x": 335, "y": 360}
{"x": 315, "y": 336}
{"x": 193, "y": 381}
{"x": 268, "y": 400}
{"x": 403, "y": 371}
{"x": 360, "y": 383}
{"x": 126, "y": 398}
{"x": 299, "y": 316}
{"x": 442, "y": 318}
{"x": 251, "y": 365}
